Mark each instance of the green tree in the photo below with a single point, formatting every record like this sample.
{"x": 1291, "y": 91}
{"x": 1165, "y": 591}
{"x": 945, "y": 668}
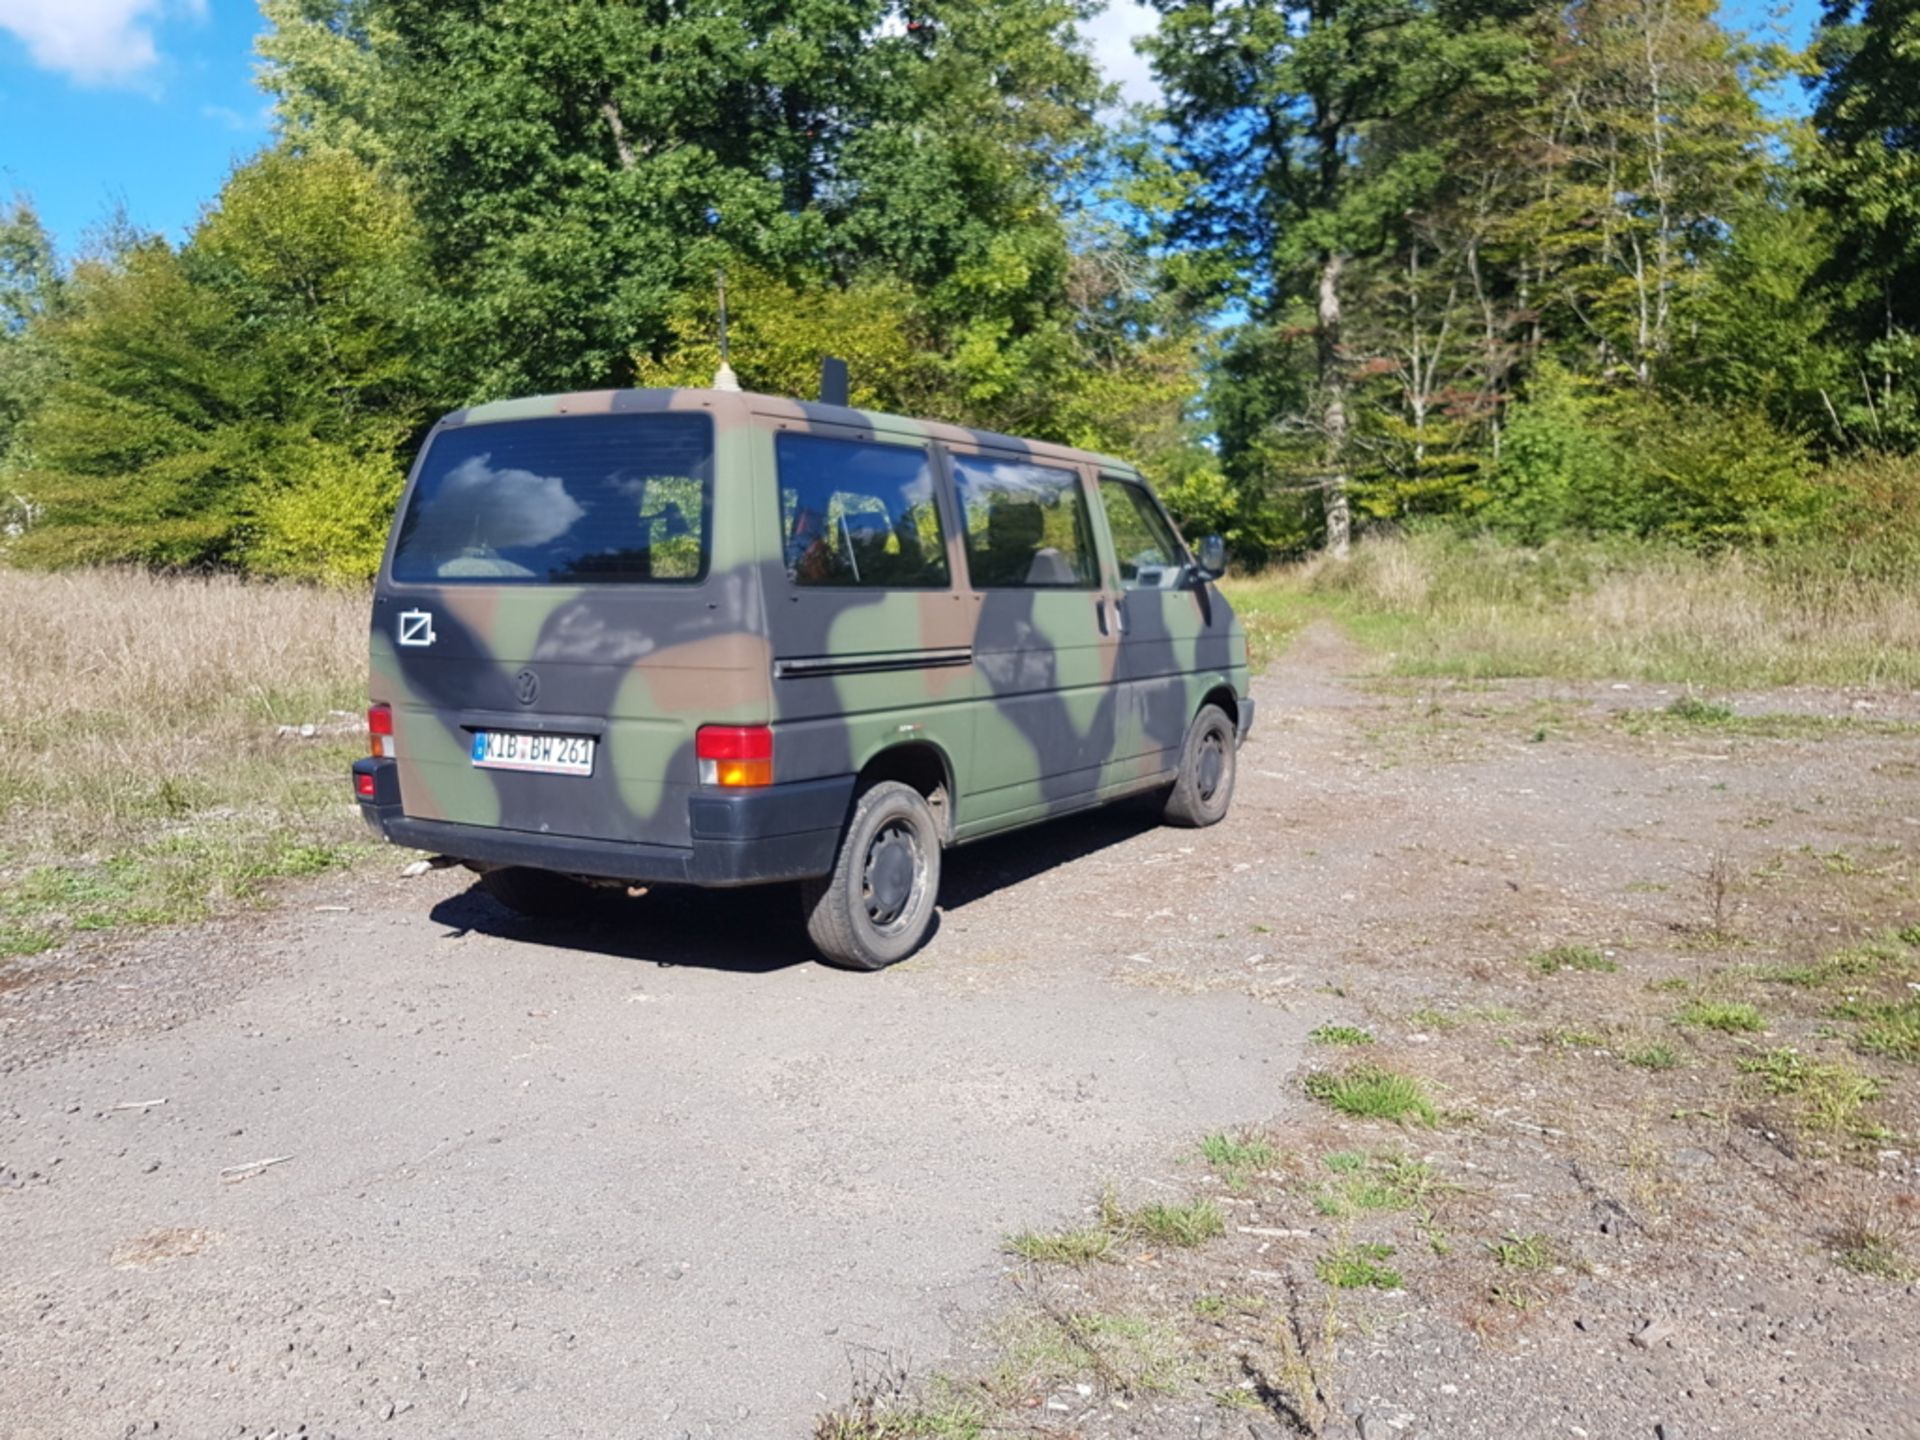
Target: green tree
{"x": 276, "y": 350}
{"x": 32, "y": 292}
{"x": 1866, "y": 173}
{"x": 1286, "y": 111}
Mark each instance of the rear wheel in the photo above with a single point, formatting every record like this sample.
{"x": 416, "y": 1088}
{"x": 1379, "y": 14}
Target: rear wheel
{"x": 877, "y": 904}
{"x": 1208, "y": 763}
{"x": 541, "y": 894}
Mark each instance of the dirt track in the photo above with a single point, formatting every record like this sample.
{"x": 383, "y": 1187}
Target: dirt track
{"x": 668, "y": 1178}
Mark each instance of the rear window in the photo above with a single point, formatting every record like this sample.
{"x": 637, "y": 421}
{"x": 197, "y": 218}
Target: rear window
{"x": 586, "y": 499}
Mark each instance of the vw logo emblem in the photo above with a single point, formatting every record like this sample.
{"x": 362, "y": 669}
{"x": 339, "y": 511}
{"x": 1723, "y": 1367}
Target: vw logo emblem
{"x": 526, "y": 685}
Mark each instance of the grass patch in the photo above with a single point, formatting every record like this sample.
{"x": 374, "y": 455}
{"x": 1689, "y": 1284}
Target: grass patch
{"x": 1473, "y": 608}
{"x": 1374, "y": 1184}
{"x": 1892, "y": 1029}
{"x": 1730, "y": 1017}
{"x": 1238, "y": 1157}
{"x": 1521, "y": 1252}
{"x": 894, "y": 1416}
{"x": 1864, "y": 1248}
{"x": 1188, "y": 1225}
{"x": 1571, "y": 957}
{"x": 140, "y": 729}
{"x": 1063, "y": 1247}
{"x": 1370, "y": 1092}
{"x": 17, "y": 940}
{"x": 1358, "y": 1267}
{"x": 1653, "y": 1057}
{"x": 1131, "y": 1354}
{"x": 1340, "y": 1035}
{"x": 1692, "y": 710}
{"x": 1831, "y": 1093}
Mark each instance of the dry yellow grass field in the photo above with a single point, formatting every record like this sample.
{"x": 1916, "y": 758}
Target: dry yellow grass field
{"x": 1479, "y": 609}
{"x": 144, "y": 770}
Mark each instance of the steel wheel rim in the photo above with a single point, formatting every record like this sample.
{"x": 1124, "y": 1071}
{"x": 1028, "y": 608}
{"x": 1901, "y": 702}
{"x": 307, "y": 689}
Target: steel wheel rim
{"x": 1211, "y": 770}
{"x": 893, "y": 877}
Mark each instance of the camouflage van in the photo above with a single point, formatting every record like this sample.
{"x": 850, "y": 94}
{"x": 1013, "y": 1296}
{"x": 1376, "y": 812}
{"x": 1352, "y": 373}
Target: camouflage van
{"x": 709, "y": 638}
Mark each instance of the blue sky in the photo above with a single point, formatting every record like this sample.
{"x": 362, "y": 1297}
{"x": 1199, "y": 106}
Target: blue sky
{"x": 150, "y": 102}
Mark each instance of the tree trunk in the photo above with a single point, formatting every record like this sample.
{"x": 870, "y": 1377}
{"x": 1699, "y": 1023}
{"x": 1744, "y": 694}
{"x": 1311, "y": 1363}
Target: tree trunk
{"x": 1333, "y": 414}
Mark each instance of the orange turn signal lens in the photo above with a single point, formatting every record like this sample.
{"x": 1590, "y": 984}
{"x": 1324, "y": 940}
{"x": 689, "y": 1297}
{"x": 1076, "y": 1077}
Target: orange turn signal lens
{"x": 380, "y": 731}
{"x": 734, "y": 756}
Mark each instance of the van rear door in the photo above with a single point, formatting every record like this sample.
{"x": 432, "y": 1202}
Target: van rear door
{"x": 566, "y": 599}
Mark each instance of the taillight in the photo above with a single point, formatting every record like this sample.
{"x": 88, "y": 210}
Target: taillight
{"x": 363, "y": 787}
{"x": 734, "y": 755}
{"x": 380, "y": 732}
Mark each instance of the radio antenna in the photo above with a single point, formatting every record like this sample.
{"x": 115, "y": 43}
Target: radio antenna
{"x": 724, "y": 378}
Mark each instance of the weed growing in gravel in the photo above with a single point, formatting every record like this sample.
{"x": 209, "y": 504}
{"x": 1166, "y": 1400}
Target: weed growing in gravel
{"x": 1428, "y": 1018}
{"x": 1340, "y": 1035}
{"x": 1213, "y": 1307}
{"x": 1369, "y": 1092}
{"x": 1695, "y": 711}
{"x": 1727, "y": 1016}
{"x": 1128, "y": 1353}
{"x": 1194, "y": 1223}
{"x": 1831, "y": 1093}
{"x": 1063, "y": 1247}
{"x": 1358, "y": 1267}
{"x": 1866, "y": 1248}
{"x": 1384, "y": 1182}
{"x": 1653, "y": 1057}
{"x": 1521, "y": 1252}
{"x": 1672, "y": 983}
{"x": 869, "y": 1418}
{"x": 1238, "y": 1157}
{"x": 1571, "y": 957}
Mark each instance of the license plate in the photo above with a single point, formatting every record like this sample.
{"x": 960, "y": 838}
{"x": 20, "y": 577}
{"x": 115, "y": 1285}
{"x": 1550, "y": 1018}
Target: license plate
{"x": 548, "y": 754}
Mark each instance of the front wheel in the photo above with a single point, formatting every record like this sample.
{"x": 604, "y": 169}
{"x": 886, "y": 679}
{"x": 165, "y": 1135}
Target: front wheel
{"x": 877, "y": 904}
{"x": 1208, "y": 761}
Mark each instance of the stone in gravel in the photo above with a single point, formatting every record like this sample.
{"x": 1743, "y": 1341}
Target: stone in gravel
{"x": 1665, "y": 1431}
{"x": 1654, "y": 1332}
{"x": 1372, "y": 1427}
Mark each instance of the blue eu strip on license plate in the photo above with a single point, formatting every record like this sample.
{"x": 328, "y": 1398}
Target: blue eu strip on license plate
{"x": 543, "y": 754}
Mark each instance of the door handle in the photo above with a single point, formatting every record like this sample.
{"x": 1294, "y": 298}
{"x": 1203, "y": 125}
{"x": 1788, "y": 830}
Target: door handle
{"x": 1100, "y": 614}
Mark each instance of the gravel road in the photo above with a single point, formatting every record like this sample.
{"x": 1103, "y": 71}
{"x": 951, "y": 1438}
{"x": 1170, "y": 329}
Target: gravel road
{"x": 653, "y": 1177}
{"x": 388, "y": 1161}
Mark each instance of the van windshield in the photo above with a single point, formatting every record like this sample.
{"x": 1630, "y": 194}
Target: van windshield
{"x": 572, "y": 500}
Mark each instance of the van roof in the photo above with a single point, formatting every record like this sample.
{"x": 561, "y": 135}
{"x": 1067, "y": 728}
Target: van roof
{"x": 740, "y": 406}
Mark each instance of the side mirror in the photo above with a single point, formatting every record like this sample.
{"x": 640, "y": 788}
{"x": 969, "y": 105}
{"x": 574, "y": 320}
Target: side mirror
{"x": 1211, "y": 558}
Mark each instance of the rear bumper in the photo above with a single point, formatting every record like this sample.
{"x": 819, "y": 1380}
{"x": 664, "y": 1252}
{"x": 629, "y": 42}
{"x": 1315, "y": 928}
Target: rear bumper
{"x": 750, "y": 837}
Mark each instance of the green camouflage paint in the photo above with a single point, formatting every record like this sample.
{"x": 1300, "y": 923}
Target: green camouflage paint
{"x": 1035, "y": 701}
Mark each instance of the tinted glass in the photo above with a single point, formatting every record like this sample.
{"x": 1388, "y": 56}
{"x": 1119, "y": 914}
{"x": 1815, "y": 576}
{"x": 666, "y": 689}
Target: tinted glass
{"x": 1026, "y": 524}
{"x": 858, "y": 513}
{"x": 575, "y": 500}
{"x": 1143, "y": 542}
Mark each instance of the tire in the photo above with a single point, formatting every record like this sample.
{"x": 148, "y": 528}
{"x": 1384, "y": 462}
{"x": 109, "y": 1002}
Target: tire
{"x": 1209, "y": 761}
{"x": 877, "y": 905}
{"x": 541, "y": 894}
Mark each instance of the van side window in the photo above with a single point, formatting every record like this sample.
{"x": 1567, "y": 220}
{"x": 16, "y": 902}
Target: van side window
{"x": 857, "y": 513}
{"x": 1026, "y": 524}
{"x": 1143, "y": 542}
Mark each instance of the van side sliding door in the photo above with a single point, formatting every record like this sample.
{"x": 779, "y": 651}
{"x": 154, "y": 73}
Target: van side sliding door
{"x": 871, "y": 634}
{"x": 1045, "y": 651}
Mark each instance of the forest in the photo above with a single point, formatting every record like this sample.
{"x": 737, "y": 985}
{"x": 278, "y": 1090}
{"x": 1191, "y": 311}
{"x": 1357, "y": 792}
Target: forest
{"x": 1501, "y": 267}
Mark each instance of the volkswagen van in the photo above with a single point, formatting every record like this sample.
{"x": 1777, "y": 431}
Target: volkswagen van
{"x": 703, "y": 637}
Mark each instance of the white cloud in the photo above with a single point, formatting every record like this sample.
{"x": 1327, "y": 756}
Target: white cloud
{"x": 1113, "y": 32}
{"x": 94, "y": 42}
